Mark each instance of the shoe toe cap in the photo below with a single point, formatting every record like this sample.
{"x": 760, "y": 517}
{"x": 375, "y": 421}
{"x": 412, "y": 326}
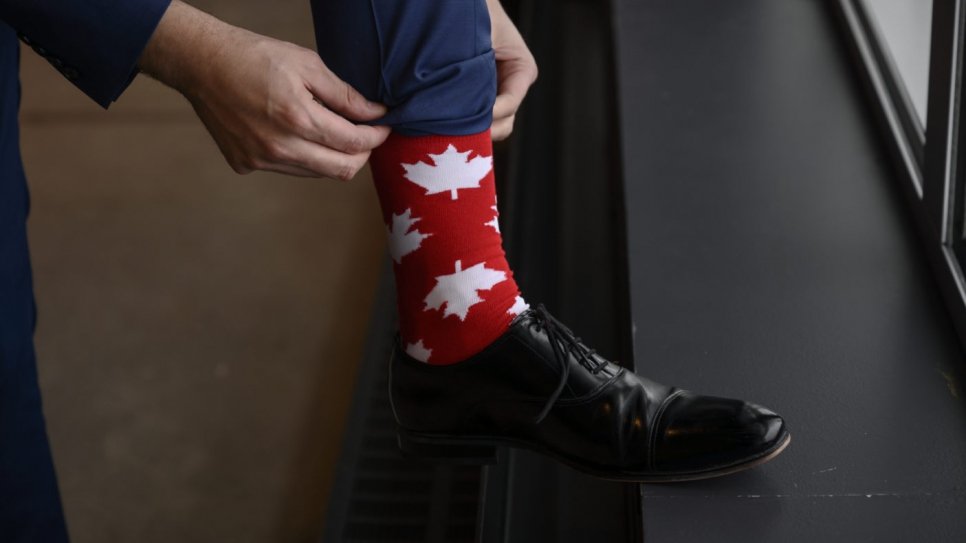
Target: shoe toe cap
{"x": 697, "y": 433}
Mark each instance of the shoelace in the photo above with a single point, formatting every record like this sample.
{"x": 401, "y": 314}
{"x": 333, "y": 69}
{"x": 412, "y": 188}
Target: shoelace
{"x": 564, "y": 343}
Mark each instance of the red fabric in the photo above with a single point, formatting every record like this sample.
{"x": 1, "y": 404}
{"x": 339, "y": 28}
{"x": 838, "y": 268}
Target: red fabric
{"x": 451, "y": 230}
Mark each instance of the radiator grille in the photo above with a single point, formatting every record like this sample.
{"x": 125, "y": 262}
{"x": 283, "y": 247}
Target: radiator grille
{"x": 381, "y": 496}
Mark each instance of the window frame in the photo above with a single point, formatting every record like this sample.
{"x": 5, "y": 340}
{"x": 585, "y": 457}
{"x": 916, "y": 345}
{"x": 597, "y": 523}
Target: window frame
{"x": 927, "y": 161}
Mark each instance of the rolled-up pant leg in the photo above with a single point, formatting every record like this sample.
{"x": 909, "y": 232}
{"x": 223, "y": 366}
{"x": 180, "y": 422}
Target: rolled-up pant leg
{"x": 429, "y": 61}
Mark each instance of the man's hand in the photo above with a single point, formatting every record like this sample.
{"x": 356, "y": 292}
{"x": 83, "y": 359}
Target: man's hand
{"x": 269, "y": 105}
{"x": 516, "y": 70}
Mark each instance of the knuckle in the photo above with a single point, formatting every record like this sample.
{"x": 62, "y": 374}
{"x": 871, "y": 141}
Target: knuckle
{"x": 242, "y": 166}
{"x": 292, "y": 115}
{"x": 345, "y": 92}
{"x": 346, "y": 171}
{"x": 355, "y": 144}
{"x": 301, "y": 122}
{"x": 274, "y": 150}
{"x": 351, "y": 99}
{"x": 309, "y": 57}
{"x": 258, "y": 164}
{"x": 506, "y": 129}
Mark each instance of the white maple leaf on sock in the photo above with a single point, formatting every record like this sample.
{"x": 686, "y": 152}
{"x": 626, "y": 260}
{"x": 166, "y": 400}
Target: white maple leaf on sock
{"x": 459, "y": 290}
{"x": 519, "y": 306}
{"x": 401, "y": 240}
{"x": 418, "y": 351}
{"x": 494, "y": 223}
{"x": 451, "y": 172}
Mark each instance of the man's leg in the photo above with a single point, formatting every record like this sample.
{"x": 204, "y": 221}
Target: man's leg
{"x": 30, "y": 508}
{"x": 431, "y": 63}
{"x": 476, "y": 367}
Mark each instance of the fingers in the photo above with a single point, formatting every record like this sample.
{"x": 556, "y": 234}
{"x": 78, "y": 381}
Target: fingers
{"x": 506, "y": 105}
{"x": 292, "y": 170}
{"x": 516, "y": 77}
{"x": 325, "y": 166}
{"x": 296, "y": 156}
{"x": 502, "y": 128}
{"x": 319, "y": 143}
{"x": 273, "y": 119}
{"x": 339, "y": 96}
{"x": 335, "y": 132}
{"x": 320, "y": 161}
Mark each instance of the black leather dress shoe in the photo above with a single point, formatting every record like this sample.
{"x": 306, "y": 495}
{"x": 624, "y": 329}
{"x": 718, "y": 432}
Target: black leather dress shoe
{"x": 539, "y": 387}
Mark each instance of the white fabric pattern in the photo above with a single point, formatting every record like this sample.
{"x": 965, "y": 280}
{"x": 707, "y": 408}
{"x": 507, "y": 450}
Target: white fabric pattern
{"x": 494, "y": 223}
{"x": 519, "y": 306}
{"x": 458, "y": 291}
{"x": 402, "y": 241}
{"x": 419, "y": 351}
{"x": 452, "y": 171}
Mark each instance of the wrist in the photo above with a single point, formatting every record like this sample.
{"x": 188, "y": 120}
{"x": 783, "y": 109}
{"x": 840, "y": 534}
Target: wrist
{"x": 186, "y": 44}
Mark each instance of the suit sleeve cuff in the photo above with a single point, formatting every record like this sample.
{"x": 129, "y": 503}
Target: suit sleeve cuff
{"x": 141, "y": 21}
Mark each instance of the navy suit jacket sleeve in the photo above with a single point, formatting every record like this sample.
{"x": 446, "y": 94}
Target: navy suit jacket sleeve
{"x": 94, "y": 43}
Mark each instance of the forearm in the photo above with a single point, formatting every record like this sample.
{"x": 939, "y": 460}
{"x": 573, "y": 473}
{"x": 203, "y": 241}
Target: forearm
{"x": 184, "y": 47}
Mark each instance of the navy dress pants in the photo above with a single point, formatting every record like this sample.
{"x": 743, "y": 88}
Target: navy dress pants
{"x": 430, "y": 61}
{"x": 30, "y": 508}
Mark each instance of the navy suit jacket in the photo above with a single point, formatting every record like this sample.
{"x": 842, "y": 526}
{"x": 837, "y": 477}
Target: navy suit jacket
{"x": 95, "y": 44}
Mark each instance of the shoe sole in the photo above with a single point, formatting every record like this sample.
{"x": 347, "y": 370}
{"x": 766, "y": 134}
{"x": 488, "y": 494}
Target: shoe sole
{"x": 482, "y": 451}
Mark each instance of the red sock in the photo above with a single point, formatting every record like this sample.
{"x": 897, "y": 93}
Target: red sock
{"x": 455, "y": 290}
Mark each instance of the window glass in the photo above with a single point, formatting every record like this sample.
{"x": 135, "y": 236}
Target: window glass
{"x": 905, "y": 27}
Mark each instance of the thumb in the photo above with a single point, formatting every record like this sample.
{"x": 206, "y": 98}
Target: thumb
{"x": 340, "y": 97}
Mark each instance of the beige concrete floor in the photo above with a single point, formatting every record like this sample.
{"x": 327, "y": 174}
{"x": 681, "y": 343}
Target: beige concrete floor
{"x": 199, "y": 331}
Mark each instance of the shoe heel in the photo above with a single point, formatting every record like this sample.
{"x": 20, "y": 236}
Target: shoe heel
{"x": 446, "y": 450}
